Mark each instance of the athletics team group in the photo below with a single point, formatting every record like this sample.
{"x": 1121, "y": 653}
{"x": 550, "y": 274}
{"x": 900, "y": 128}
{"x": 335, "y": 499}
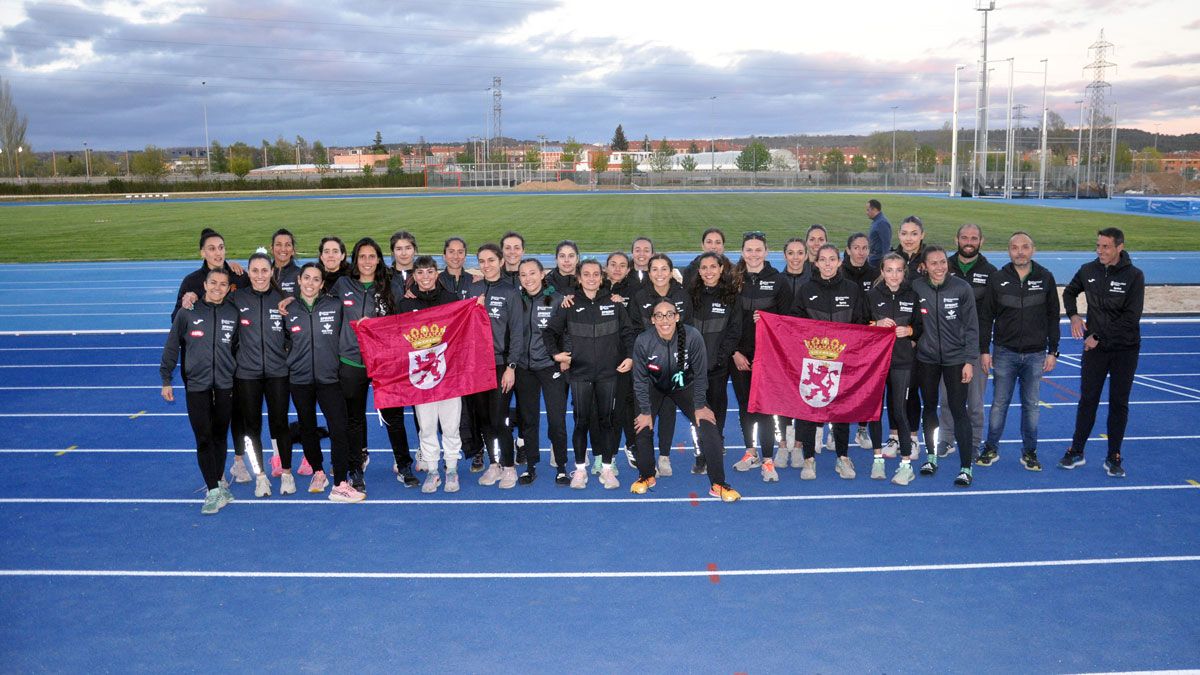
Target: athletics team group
{"x": 632, "y": 341}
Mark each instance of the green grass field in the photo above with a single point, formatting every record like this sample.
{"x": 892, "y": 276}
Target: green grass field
{"x": 597, "y": 222}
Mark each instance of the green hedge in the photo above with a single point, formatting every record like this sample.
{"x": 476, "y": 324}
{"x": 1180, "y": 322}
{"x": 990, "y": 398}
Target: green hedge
{"x": 122, "y": 186}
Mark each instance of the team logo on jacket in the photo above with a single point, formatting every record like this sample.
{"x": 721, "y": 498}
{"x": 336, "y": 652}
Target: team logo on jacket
{"x": 427, "y": 361}
{"x": 821, "y": 372}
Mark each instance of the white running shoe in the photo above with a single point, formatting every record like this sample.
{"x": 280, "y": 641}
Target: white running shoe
{"x": 262, "y": 486}
{"x": 769, "y": 474}
{"x": 451, "y": 481}
{"x": 863, "y": 438}
{"x": 492, "y": 475}
{"x": 891, "y": 448}
{"x": 508, "y": 477}
{"x": 878, "y": 469}
{"x": 664, "y": 466}
{"x": 748, "y": 461}
{"x": 238, "y": 470}
{"x": 579, "y": 479}
{"x": 904, "y": 474}
{"x": 287, "y": 484}
{"x": 809, "y": 472}
{"x": 781, "y": 454}
{"x": 830, "y": 443}
{"x": 432, "y": 482}
{"x": 845, "y": 468}
{"x": 797, "y": 456}
{"x": 630, "y": 457}
{"x": 608, "y": 478}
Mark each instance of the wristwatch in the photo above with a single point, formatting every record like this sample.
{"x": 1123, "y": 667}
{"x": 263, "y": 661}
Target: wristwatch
{"x": 513, "y": 366}
{"x": 1054, "y": 354}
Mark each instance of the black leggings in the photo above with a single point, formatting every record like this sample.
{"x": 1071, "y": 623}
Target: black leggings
{"x": 393, "y": 418}
{"x": 485, "y": 423}
{"x": 249, "y": 397}
{"x": 209, "y": 412}
{"x": 594, "y": 403}
{"x": 625, "y": 410}
{"x": 718, "y": 398}
{"x": 333, "y": 405}
{"x": 709, "y": 439}
{"x": 1118, "y": 367}
{"x": 766, "y": 425}
{"x": 354, "y": 383}
{"x": 550, "y": 383}
{"x": 896, "y": 397}
{"x": 806, "y": 433}
{"x": 929, "y": 375}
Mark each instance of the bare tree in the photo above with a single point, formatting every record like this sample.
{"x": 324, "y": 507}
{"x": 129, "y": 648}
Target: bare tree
{"x": 12, "y": 127}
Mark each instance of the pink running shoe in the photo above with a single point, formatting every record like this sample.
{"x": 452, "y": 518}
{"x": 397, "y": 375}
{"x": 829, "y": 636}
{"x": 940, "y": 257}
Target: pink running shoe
{"x": 305, "y": 468}
{"x": 276, "y": 466}
{"x": 343, "y": 492}
{"x": 319, "y": 482}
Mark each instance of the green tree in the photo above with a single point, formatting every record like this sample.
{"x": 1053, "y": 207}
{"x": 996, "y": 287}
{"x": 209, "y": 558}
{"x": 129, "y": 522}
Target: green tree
{"x": 661, "y": 159}
{"x": 395, "y": 165}
{"x": 1124, "y": 157}
{"x": 239, "y": 166}
{"x": 320, "y": 156}
{"x": 467, "y": 156}
{"x": 688, "y": 163}
{"x": 216, "y": 155}
{"x": 377, "y": 147}
{"x": 1151, "y": 159}
{"x": 926, "y": 159}
{"x": 282, "y": 152}
{"x": 1189, "y": 173}
{"x": 599, "y": 161}
{"x": 629, "y": 164}
{"x": 406, "y": 149}
{"x": 859, "y": 163}
{"x": 754, "y": 157}
{"x": 532, "y": 158}
{"x": 833, "y": 162}
{"x": 619, "y": 142}
{"x": 302, "y": 150}
{"x": 693, "y": 148}
{"x": 570, "y": 153}
{"x": 150, "y": 163}
{"x": 368, "y": 170}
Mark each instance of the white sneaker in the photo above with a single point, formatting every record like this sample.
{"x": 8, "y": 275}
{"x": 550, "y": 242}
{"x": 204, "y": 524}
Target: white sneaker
{"x": 664, "y": 466}
{"x": 830, "y": 443}
{"x": 809, "y": 472}
{"x": 451, "y": 481}
{"x": 508, "y": 477}
{"x": 432, "y": 482}
{"x": 891, "y": 448}
{"x": 262, "y": 486}
{"x": 797, "y": 456}
{"x": 904, "y": 474}
{"x": 878, "y": 469}
{"x": 492, "y": 475}
{"x": 238, "y": 470}
{"x": 863, "y": 438}
{"x": 748, "y": 461}
{"x": 579, "y": 479}
{"x": 630, "y": 457}
{"x": 287, "y": 483}
{"x": 608, "y": 478}
{"x": 769, "y": 474}
{"x": 781, "y": 454}
{"x": 845, "y": 468}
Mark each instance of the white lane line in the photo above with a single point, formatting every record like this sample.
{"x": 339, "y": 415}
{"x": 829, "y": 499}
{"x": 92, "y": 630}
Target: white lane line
{"x": 82, "y": 365}
{"x": 1151, "y": 378}
{"x": 104, "y": 331}
{"x": 75, "y": 281}
{"x": 58, "y": 388}
{"x": 435, "y": 501}
{"x": 1170, "y": 388}
{"x": 1060, "y": 377}
{"x": 82, "y": 315}
{"x": 633, "y": 574}
{"x": 545, "y": 451}
{"x": 76, "y": 304}
{"x": 74, "y": 349}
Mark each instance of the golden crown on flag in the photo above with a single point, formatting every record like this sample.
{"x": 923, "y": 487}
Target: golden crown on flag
{"x": 425, "y": 336}
{"x": 824, "y": 348}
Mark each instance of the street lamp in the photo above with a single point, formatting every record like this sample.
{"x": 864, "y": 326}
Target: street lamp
{"x": 20, "y": 149}
{"x": 207, "y": 145}
{"x": 87, "y": 161}
{"x": 893, "y": 170}
{"x": 712, "y": 137}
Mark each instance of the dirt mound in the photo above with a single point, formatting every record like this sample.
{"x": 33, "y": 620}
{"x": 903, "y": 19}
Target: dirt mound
{"x": 546, "y": 186}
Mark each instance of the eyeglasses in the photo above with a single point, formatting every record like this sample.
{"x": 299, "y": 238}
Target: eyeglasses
{"x": 756, "y": 234}
{"x": 664, "y": 316}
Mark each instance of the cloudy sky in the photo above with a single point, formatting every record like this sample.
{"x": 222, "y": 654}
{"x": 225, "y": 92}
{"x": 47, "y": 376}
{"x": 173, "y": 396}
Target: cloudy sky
{"x": 125, "y": 73}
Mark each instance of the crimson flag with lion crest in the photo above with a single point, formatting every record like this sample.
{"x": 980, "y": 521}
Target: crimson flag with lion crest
{"x": 819, "y": 371}
{"x": 430, "y": 355}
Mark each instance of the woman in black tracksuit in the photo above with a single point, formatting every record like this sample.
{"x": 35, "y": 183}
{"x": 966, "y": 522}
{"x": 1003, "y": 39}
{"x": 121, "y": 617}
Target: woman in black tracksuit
{"x": 593, "y": 338}
{"x": 894, "y": 304}
{"x": 262, "y": 369}
{"x": 671, "y": 363}
{"x": 563, "y": 279}
{"x": 661, "y": 286}
{"x": 796, "y": 272}
{"x": 314, "y": 326}
{"x": 332, "y": 256}
{"x": 207, "y": 334}
{"x": 856, "y": 268}
{"x": 538, "y": 375}
{"x": 622, "y": 285}
{"x": 715, "y": 313}
{"x": 367, "y": 293}
{"x": 949, "y": 345}
{"x": 284, "y": 269}
{"x": 911, "y": 247}
{"x": 829, "y": 296}
{"x": 762, "y": 289}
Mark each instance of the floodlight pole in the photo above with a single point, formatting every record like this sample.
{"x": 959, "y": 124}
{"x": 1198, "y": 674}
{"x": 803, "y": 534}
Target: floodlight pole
{"x": 1079, "y": 150}
{"x": 954, "y": 137}
{"x": 1112, "y": 153}
{"x": 981, "y": 93}
{"x": 712, "y": 137}
{"x": 1008, "y": 136}
{"x": 207, "y": 144}
{"x": 893, "y": 171}
{"x": 1045, "y": 119}
{"x": 87, "y": 161}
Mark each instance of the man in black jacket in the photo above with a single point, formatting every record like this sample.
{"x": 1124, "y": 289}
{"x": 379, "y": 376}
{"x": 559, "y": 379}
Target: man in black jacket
{"x": 1019, "y": 313}
{"x": 1115, "y": 292}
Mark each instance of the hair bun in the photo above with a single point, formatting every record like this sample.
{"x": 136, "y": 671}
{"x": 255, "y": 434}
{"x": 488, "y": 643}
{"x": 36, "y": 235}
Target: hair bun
{"x": 262, "y": 250}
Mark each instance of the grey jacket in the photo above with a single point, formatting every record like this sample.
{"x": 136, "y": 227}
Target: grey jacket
{"x": 949, "y": 321}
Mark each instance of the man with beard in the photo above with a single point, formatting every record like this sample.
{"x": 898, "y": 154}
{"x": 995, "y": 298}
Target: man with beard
{"x": 968, "y": 264}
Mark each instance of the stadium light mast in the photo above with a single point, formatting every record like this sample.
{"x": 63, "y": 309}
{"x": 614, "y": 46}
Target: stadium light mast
{"x": 1079, "y": 149}
{"x": 207, "y": 144}
{"x": 954, "y": 136}
{"x": 981, "y": 91}
{"x": 712, "y": 136}
{"x": 894, "y": 139}
{"x": 87, "y": 161}
{"x": 1045, "y": 119}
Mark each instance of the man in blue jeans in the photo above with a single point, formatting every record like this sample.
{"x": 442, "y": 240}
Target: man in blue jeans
{"x": 1019, "y": 316}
